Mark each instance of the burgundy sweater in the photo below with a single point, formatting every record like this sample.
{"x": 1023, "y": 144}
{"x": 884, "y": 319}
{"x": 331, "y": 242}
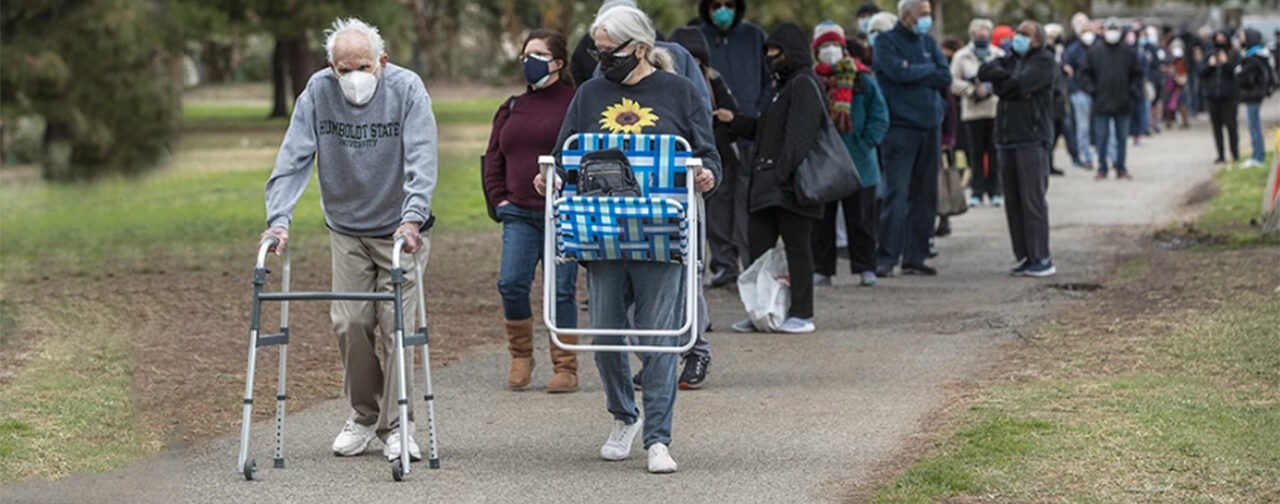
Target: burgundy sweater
{"x": 521, "y": 132}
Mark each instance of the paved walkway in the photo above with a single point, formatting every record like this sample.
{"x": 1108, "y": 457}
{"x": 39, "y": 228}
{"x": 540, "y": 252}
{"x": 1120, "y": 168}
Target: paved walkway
{"x": 785, "y": 418}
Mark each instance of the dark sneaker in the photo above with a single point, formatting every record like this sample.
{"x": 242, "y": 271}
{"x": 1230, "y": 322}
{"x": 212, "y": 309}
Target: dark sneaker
{"x": 1021, "y": 270}
{"x": 1124, "y": 175}
{"x": 637, "y": 382}
{"x": 944, "y": 229}
{"x": 820, "y": 280}
{"x": 723, "y": 277}
{"x": 884, "y": 271}
{"x": 1041, "y": 269}
{"x": 695, "y": 373}
{"x": 918, "y": 269}
{"x": 1100, "y": 176}
{"x": 1056, "y": 172}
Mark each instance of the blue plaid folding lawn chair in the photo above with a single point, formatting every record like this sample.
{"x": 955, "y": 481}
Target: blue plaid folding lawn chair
{"x": 660, "y": 225}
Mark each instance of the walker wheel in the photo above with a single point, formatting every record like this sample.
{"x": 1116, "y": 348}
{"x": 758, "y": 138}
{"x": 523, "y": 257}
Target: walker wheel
{"x": 250, "y": 470}
{"x": 397, "y": 472}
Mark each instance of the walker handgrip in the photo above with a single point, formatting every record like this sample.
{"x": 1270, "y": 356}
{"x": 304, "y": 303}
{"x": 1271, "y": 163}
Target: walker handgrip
{"x": 264, "y": 249}
{"x": 395, "y": 252}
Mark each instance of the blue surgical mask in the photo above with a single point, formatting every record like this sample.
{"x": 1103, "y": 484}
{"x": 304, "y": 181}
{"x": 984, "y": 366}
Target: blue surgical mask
{"x": 863, "y": 24}
{"x": 537, "y": 71}
{"x": 723, "y": 17}
{"x": 1021, "y": 43}
{"x": 923, "y": 24}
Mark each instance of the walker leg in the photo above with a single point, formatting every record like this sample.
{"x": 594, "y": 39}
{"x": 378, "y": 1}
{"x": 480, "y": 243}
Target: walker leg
{"x": 243, "y": 465}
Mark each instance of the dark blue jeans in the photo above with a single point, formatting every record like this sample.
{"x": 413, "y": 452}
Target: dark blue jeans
{"x": 1102, "y": 136}
{"x": 908, "y": 194}
{"x": 522, "y": 231}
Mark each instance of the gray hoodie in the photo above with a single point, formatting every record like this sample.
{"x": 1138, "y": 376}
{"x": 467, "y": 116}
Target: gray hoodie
{"x": 377, "y": 162}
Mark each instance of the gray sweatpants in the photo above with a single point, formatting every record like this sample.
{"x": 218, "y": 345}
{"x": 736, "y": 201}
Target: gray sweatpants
{"x": 1025, "y": 172}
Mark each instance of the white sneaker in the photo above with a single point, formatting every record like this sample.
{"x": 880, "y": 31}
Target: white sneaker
{"x": 618, "y": 446}
{"x": 795, "y": 325}
{"x": 353, "y": 440}
{"x": 392, "y": 449}
{"x": 744, "y": 326}
{"x": 660, "y": 461}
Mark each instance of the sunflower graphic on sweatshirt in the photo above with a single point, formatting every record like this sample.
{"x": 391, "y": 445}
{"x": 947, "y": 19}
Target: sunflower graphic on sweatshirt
{"x": 627, "y": 117}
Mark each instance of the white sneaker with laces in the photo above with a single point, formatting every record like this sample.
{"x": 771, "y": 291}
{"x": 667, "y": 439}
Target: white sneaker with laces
{"x": 618, "y": 446}
{"x": 353, "y": 440}
{"x": 392, "y": 449}
{"x": 660, "y": 461}
{"x": 744, "y": 326}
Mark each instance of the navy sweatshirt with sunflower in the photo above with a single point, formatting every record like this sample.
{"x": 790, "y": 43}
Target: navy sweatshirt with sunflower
{"x": 662, "y": 103}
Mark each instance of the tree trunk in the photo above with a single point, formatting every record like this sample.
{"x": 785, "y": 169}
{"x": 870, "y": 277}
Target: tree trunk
{"x": 279, "y": 102}
{"x": 56, "y": 163}
{"x": 425, "y": 17}
{"x": 300, "y": 65}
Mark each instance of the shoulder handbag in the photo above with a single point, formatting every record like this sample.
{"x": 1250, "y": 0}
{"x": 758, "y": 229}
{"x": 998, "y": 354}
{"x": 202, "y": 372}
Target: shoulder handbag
{"x": 951, "y": 200}
{"x": 827, "y": 173}
{"x": 492, "y": 206}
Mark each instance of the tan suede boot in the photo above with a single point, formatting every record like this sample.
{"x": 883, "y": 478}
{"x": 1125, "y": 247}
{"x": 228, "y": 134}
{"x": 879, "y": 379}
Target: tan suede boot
{"x": 566, "y": 366}
{"x": 520, "y": 344}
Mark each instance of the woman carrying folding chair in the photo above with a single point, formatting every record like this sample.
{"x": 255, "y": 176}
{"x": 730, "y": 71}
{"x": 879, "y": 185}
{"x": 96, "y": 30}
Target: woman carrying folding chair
{"x": 638, "y": 94}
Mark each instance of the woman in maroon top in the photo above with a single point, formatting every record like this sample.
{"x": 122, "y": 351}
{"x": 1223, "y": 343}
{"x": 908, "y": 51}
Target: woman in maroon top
{"x": 524, "y": 128}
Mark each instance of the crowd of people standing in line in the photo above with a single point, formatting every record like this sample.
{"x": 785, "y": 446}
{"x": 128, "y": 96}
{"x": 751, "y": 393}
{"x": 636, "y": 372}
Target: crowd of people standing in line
{"x": 751, "y": 105}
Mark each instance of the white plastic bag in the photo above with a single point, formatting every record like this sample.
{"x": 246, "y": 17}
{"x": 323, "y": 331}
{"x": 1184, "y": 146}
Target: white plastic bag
{"x": 765, "y": 289}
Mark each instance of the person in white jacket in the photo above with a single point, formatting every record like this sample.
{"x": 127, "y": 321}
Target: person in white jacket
{"x": 978, "y": 112}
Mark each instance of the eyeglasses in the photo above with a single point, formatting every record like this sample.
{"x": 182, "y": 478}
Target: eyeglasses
{"x": 603, "y": 56}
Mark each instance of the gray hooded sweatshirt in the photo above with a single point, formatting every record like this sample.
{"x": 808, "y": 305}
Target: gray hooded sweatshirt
{"x": 377, "y": 162}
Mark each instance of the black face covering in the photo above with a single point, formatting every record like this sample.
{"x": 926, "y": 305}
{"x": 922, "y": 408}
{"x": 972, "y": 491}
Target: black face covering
{"x": 617, "y": 69}
{"x": 778, "y": 63}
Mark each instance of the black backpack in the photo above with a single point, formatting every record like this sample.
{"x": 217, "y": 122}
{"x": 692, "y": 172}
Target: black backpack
{"x": 607, "y": 173}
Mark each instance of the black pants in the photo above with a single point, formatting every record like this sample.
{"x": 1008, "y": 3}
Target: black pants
{"x": 862, "y": 226}
{"x": 1026, "y": 176}
{"x": 723, "y": 221}
{"x": 1222, "y": 113}
{"x": 764, "y": 228}
{"x": 981, "y": 146}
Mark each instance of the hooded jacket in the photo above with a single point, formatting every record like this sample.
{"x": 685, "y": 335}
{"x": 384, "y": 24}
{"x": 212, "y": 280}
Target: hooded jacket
{"x": 1025, "y": 85}
{"x": 1252, "y": 75}
{"x": 787, "y": 128}
{"x": 913, "y": 91}
{"x": 1218, "y": 82}
{"x": 738, "y": 54}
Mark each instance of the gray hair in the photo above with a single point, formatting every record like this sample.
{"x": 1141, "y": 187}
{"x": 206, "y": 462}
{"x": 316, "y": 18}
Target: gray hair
{"x": 609, "y": 4}
{"x": 981, "y": 23}
{"x": 905, "y": 6}
{"x": 881, "y": 22}
{"x": 340, "y": 26}
{"x": 624, "y": 24}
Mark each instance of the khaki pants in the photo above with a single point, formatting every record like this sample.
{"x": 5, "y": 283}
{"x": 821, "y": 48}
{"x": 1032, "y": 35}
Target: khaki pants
{"x": 364, "y": 265}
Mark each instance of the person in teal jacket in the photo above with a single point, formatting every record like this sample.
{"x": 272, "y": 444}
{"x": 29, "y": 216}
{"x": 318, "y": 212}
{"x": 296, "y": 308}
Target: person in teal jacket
{"x": 858, "y": 111}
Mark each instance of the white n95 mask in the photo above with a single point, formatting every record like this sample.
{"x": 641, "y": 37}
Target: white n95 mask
{"x": 830, "y": 54}
{"x": 358, "y": 87}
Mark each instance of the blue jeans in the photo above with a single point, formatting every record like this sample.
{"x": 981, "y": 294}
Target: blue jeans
{"x": 657, "y": 291}
{"x": 1082, "y": 109}
{"x": 1253, "y": 111}
{"x": 1102, "y": 124}
{"x": 522, "y": 231}
{"x": 908, "y": 192}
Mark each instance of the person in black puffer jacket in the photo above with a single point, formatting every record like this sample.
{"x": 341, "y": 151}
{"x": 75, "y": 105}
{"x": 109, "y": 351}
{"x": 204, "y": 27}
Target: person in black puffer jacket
{"x": 785, "y": 132}
{"x": 1221, "y": 94}
{"x": 1024, "y": 81}
{"x": 1113, "y": 77}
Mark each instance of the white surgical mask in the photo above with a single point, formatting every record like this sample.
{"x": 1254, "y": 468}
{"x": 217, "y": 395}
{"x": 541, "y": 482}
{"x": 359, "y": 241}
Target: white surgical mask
{"x": 358, "y": 87}
{"x": 1177, "y": 52}
{"x": 830, "y": 54}
{"x": 1088, "y": 38}
{"x": 1111, "y": 36}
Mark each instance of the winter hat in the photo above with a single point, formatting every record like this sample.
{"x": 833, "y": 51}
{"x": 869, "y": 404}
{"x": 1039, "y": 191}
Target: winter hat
{"x": 1001, "y": 34}
{"x": 693, "y": 41}
{"x": 828, "y": 31}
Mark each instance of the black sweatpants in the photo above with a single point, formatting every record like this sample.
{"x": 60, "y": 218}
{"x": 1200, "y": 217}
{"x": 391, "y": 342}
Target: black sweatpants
{"x": 764, "y": 228}
{"x": 985, "y": 179}
{"x": 723, "y": 220}
{"x": 1026, "y": 181}
{"x": 1222, "y": 113}
{"x": 862, "y": 226}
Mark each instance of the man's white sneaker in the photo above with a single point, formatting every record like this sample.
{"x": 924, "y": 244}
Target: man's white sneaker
{"x": 392, "y": 449}
{"x": 660, "y": 461}
{"x": 353, "y": 440}
{"x": 618, "y": 446}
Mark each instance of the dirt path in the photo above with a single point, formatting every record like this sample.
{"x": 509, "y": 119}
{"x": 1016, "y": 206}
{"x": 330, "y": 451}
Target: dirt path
{"x": 783, "y": 419}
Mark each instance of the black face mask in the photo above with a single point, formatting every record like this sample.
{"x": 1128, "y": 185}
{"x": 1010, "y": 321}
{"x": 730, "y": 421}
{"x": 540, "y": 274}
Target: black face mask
{"x": 1223, "y": 45}
{"x": 616, "y": 68}
{"x": 778, "y": 64}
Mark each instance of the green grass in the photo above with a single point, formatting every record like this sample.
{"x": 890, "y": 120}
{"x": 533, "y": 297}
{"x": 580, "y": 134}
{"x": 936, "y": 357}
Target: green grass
{"x": 1238, "y": 206}
{"x": 468, "y": 111}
